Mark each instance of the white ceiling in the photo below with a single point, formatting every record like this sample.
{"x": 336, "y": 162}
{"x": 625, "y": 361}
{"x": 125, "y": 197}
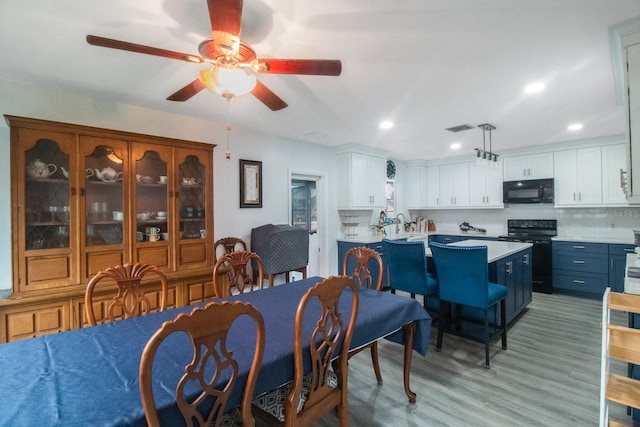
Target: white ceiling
{"x": 425, "y": 64}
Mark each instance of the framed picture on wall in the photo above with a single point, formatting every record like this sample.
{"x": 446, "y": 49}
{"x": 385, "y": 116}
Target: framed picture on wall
{"x": 250, "y": 184}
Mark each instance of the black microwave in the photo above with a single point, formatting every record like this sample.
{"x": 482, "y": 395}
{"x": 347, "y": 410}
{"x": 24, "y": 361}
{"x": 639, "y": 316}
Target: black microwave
{"x": 528, "y": 191}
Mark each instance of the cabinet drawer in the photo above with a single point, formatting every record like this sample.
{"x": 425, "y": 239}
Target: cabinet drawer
{"x": 584, "y": 282}
{"x": 580, "y": 262}
{"x": 581, "y": 247}
{"x": 621, "y": 249}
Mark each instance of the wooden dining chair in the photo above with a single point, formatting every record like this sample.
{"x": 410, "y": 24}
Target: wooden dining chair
{"x": 360, "y": 259}
{"x": 226, "y": 245}
{"x": 208, "y": 330}
{"x": 463, "y": 276}
{"x": 131, "y": 299}
{"x": 310, "y": 395}
{"x": 239, "y": 275}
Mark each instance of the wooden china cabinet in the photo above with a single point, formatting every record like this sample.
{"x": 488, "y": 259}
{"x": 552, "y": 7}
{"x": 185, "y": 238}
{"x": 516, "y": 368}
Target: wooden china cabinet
{"x": 84, "y": 199}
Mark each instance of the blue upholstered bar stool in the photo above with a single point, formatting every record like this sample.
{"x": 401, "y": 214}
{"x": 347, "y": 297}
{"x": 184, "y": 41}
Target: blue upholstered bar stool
{"x": 407, "y": 265}
{"x": 463, "y": 279}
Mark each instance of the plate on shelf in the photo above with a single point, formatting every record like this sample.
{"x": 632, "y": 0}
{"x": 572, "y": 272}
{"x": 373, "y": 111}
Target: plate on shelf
{"x": 161, "y": 218}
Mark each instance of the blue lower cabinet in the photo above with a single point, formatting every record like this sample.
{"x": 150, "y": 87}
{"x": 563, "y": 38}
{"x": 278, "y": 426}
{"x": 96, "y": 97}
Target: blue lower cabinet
{"x": 580, "y": 268}
{"x": 514, "y": 272}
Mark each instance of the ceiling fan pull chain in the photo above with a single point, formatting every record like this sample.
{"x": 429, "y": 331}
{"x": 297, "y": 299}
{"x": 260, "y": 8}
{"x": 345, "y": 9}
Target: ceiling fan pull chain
{"x": 227, "y": 154}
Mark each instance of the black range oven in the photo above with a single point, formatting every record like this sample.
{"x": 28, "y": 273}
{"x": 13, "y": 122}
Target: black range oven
{"x": 538, "y": 232}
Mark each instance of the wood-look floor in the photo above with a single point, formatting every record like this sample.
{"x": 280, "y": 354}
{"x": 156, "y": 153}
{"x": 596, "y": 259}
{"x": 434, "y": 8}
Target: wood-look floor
{"x": 549, "y": 376}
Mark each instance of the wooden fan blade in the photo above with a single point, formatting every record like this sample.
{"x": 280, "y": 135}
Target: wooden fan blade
{"x": 138, "y": 48}
{"x": 267, "y": 97}
{"x": 187, "y": 92}
{"x": 226, "y": 18}
{"x": 316, "y": 67}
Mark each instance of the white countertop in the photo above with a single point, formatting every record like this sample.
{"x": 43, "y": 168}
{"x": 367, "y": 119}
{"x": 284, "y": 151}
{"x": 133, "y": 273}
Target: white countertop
{"x": 372, "y": 238}
{"x": 495, "y": 250}
{"x": 596, "y": 239}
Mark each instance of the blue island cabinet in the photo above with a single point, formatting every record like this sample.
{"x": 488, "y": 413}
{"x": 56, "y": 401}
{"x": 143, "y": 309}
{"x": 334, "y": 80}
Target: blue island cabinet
{"x": 514, "y": 272}
{"x": 343, "y": 248}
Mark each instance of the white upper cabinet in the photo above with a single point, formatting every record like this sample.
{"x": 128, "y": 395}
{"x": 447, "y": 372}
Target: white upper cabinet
{"x": 578, "y": 177}
{"x": 625, "y": 61}
{"x": 417, "y": 187}
{"x": 454, "y": 185}
{"x": 485, "y": 185}
{"x": 531, "y": 166}
{"x": 433, "y": 186}
{"x": 361, "y": 181}
{"x": 614, "y": 164}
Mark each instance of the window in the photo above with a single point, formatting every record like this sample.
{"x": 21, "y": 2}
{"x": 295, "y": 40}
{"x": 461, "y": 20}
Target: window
{"x": 390, "y": 192}
{"x": 304, "y": 211}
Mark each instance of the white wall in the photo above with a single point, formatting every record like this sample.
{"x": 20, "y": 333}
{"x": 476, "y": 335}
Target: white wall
{"x": 277, "y": 155}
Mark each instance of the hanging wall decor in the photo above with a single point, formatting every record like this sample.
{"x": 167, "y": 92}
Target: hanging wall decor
{"x": 250, "y": 184}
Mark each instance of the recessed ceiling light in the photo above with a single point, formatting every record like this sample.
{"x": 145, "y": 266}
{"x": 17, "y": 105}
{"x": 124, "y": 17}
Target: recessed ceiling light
{"x": 455, "y": 146}
{"x": 534, "y": 88}
{"x": 387, "y": 124}
{"x": 574, "y": 126}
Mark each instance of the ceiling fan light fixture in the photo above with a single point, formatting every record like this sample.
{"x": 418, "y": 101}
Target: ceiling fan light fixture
{"x": 228, "y": 82}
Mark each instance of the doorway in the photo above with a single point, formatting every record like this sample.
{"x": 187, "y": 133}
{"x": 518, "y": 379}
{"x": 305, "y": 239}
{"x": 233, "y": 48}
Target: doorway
{"x": 306, "y": 205}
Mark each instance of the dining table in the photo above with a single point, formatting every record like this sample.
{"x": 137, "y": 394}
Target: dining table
{"x": 89, "y": 376}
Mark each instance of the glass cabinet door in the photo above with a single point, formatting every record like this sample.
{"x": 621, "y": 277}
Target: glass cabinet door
{"x": 192, "y": 199}
{"x": 104, "y": 195}
{"x": 151, "y": 198}
{"x": 47, "y": 196}
{"x": 45, "y": 191}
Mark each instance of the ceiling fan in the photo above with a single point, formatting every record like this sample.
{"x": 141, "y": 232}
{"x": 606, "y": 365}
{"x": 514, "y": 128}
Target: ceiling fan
{"x": 229, "y": 57}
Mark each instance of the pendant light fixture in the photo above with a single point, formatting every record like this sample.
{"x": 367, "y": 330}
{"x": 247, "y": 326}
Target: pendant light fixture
{"x": 482, "y": 155}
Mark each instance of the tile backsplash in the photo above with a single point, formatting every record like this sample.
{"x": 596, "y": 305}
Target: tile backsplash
{"x": 574, "y": 222}
{"x": 585, "y": 222}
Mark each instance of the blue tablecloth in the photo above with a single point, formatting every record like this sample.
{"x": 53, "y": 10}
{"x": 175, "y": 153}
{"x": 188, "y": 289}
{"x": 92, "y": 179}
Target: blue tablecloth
{"x": 89, "y": 376}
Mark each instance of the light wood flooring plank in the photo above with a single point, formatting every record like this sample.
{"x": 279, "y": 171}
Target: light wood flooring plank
{"x": 549, "y": 376}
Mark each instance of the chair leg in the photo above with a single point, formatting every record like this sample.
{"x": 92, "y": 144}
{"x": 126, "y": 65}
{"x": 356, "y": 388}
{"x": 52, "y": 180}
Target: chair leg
{"x": 486, "y": 339}
{"x": 376, "y": 364}
{"x": 458, "y": 318}
{"x": 444, "y": 317}
{"x": 503, "y": 321}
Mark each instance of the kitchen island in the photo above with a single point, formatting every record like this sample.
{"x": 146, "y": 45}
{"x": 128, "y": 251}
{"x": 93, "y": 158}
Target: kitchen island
{"x": 509, "y": 265}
